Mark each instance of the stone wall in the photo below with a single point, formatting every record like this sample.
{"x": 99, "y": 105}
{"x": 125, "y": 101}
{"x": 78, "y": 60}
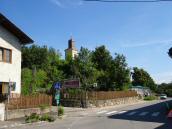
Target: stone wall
{"x": 112, "y": 102}
{"x": 99, "y": 103}
{"x": 18, "y": 113}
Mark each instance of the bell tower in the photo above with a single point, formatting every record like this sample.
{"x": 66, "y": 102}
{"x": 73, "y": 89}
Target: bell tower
{"x": 71, "y": 50}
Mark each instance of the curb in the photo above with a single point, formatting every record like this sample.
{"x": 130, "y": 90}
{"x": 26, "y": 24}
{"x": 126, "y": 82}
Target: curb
{"x": 21, "y": 124}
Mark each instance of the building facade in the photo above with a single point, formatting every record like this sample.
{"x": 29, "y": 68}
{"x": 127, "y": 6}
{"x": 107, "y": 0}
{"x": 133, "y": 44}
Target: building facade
{"x": 11, "y": 41}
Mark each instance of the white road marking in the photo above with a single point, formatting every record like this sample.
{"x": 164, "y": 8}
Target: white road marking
{"x": 155, "y": 114}
{"x": 131, "y": 113}
{"x": 112, "y": 112}
{"x": 100, "y": 112}
{"x": 143, "y": 113}
{"x": 121, "y": 112}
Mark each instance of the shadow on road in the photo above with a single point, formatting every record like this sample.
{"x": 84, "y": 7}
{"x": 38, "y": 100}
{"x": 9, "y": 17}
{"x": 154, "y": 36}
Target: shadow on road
{"x": 160, "y": 107}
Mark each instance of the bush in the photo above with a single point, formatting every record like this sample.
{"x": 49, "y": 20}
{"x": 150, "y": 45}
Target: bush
{"x": 60, "y": 111}
{"x": 35, "y": 118}
{"x": 150, "y": 98}
{"x": 48, "y": 118}
{"x": 32, "y": 118}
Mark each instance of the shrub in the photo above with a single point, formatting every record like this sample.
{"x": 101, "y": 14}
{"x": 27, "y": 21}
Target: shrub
{"x": 35, "y": 118}
{"x": 150, "y": 98}
{"x": 48, "y": 118}
{"x": 32, "y": 118}
{"x": 60, "y": 111}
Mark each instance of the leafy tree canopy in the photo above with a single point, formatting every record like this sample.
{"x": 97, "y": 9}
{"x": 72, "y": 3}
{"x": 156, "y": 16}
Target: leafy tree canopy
{"x": 101, "y": 58}
{"x": 141, "y": 77}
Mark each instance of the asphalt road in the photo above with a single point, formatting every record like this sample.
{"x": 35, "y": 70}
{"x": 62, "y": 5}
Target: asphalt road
{"x": 150, "y": 115}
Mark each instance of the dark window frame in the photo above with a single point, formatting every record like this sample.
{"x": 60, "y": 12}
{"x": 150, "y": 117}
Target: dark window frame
{"x": 4, "y": 51}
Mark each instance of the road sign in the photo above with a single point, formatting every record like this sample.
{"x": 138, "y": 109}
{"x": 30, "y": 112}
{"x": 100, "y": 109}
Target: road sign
{"x": 74, "y": 83}
{"x": 57, "y": 85}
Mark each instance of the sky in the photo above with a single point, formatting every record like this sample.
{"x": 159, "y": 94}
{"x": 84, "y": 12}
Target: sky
{"x": 140, "y": 31}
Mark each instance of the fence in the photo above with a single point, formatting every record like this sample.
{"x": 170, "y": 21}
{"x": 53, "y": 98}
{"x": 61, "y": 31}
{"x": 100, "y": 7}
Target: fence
{"x": 105, "y": 95}
{"x": 32, "y": 101}
{"x": 81, "y": 98}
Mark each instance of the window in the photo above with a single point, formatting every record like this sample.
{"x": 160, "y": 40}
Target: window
{"x": 5, "y": 55}
{"x": 8, "y": 55}
{"x": 4, "y": 87}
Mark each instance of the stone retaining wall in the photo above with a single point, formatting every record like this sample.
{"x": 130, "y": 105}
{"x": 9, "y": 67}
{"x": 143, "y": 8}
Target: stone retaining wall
{"x": 112, "y": 102}
{"x": 18, "y": 113}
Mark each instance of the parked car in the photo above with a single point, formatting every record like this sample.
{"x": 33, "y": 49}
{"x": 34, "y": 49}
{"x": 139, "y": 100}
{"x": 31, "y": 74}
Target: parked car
{"x": 163, "y": 96}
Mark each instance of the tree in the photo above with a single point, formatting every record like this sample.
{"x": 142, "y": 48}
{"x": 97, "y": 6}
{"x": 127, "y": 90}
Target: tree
{"x": 101, "y": 58}
{"x": 26, "y": 79}
{"x": 85, "y": 69}
{"x": 47, "y": 63}
{"x": 34, "y": 56}
{"x": 119, "y": 73}
{"x": 141, "y": 77}
{"x": 165, "y": 88}
{"x": 32, "y": 84}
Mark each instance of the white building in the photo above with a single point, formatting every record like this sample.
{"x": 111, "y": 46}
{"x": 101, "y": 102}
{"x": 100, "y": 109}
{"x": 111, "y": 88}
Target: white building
{"x": 71, "y": 50}
{"x": 11, "y": 41}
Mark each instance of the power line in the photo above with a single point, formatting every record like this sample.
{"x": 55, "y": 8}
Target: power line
{"x": 136, "y": 1}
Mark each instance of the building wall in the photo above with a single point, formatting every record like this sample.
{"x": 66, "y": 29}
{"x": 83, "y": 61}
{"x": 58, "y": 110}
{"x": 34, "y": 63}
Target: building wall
{"x": 71, "y": 52}
{"x": 11, "y": 71}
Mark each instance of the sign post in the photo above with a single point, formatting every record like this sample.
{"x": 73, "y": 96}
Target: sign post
{"x": 57, "y": 87}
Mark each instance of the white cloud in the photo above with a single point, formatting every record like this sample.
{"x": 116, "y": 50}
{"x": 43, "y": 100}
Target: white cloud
{"x": 65, "y": 3}
{"x": 57, "y": 2}
{"x": 164, "y": 77}
{"x": 133, "y": 45}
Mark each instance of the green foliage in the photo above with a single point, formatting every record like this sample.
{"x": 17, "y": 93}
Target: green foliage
{"x": 26, "y": 77}
{"x": 60, "y": 111}
{"x": 40, "y": 78}
{"x": 150, "y": 98}
{"x": 32, "y": 81}
{"x": 34, "y": 56}
{"x": 84, "y": 68}
{"x": 32, "y": 118}
{"x": 35, "y": 118}
{"x": 42, "y": 67}
{"x": 120, "y": 73}
{"x": 165, "y": 88}
{"x": 141, "y": 77}
{"x": 101, "y": 58}
{"x": 47, "y": 117}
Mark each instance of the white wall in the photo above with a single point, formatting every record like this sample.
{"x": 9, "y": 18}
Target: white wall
{"x": 72, "y": 52}
{"x": 2, "y": 112}
{"x": 7, "y": 70}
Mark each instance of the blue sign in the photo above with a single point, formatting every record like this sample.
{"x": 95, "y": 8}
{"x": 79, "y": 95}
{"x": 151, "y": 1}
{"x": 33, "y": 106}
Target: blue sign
{"x": 57, "y": 85}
